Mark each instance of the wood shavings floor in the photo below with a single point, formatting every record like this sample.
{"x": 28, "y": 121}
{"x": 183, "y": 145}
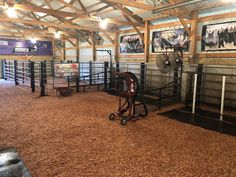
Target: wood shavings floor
{"x": 72, "y": 136}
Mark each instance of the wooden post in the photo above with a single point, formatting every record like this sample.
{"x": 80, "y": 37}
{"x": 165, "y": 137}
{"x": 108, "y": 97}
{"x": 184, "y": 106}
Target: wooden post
{"x": 93, "y": 47}
{"x": 194, "y": 25}
{"x": 146, "y": 41}
{"x": 64, "y": 48}
{"x": 116, "y": 46}
{"x": 77, "y": 50}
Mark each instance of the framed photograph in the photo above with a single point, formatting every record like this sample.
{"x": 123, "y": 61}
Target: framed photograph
{"x": 219, "y": 37}
{"x": 131, "y": 44}
{"x": 167, "y": 40}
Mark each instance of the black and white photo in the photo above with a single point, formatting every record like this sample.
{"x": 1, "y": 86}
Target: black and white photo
{"x": 167, "y": 40}
{"x": 131, "y": 44}
{"x": 219, "y": 37}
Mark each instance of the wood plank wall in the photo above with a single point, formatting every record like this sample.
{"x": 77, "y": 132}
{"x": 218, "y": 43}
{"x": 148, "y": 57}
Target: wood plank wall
{"x": 194, "y": 55}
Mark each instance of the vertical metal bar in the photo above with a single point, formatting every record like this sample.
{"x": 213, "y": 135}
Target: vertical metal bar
{"x": 15, "y": 73}
{"x": 176, "y": 76}
{"x": 32, "y": 76}
{"x": 42, "y": 82}
{"x": 180, "y": 80}
{"x": 90, "y": 72}
{"x": 105, "y": 75}
{"x": 199, "y": 83}
{"x": 117, "y": 66}
{"x": 222, "y": 98}
{"x": 3, "y": 69}
{"x": 142, "y": 76}
{"x": 23, "y": 72}
{"x": 194, "y": 93}
{"x": 68, "y": 81}
{"x": 45, "y": 71}
{"x": 160, "y": 99}
{"x": 78, "y": 78}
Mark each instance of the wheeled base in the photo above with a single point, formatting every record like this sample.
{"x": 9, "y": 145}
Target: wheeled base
{"x": 123, "y": 119}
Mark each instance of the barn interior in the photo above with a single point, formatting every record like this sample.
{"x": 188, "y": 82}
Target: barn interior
{"x": 117, "y": 88}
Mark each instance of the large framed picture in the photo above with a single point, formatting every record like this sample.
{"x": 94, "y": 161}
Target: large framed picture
{"x": 219, "y": 37}
{"x": 131, "y": 44}
{"x": 162, "y": 40}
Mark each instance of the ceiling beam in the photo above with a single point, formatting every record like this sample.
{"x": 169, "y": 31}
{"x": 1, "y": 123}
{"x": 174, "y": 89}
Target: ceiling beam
{"x": 83, "y": 8}
{"x": 135, "y": 28}
{"x": 48, "y": 24}
{"x": 77, "y": 10}
{"x": 185, "y": 25}
{"x": 34, "y": 8}
{"x": 129, "y": 13}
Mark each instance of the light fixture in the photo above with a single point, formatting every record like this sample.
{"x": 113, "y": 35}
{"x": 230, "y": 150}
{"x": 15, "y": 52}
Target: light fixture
{"x": 57, "y": 35}
{"x": 11, "y": 12}
{"x": 33, "y": 40}
{"x": 103, "y": 23}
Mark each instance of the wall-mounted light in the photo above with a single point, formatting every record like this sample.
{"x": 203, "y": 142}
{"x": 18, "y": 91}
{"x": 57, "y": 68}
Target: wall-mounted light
{"x": 33, "y": 40}
{"x": 57, "y": 35}
{"x": 103, "y": 23}
{"x": 11, "y": 12}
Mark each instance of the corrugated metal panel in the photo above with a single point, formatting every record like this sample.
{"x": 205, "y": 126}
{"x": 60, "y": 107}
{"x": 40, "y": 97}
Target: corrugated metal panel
{"x": 88, "y": 3}
{"x": 55, "y": 4}
{"x": 218, "y": 10}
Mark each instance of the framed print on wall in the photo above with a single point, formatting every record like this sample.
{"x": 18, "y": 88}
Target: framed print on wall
{"x": 219, "y": 37}
{"x": 131, "y": 44}
{"x": 168, "y": 39}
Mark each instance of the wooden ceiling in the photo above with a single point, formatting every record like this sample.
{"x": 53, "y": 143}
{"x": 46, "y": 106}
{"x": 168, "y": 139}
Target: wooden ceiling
{"x": 43, "y": 17}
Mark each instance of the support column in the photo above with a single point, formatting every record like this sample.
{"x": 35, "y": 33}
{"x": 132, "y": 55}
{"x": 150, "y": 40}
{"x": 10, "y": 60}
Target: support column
{"x": 93, "y": 47}
{"x": 64, "y": 48}
{"x": 116, "y": 46}
{"x": 77, "y": 50}
{"x": 193, "y": 43}
{"x": 146, "y": 41}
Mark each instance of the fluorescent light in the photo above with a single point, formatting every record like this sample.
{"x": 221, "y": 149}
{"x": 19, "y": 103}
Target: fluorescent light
{"x": 33, "y": 40}
{"x": 57, "y": 35}
{"x": 103, "y": 24}
{"x": 11, "y": 12}
{"x": 67, "y": 1}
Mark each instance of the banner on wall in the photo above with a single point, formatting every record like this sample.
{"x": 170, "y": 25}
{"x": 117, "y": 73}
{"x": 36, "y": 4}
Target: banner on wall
{"x": 219, "y": 37}
{"x": 131, "y": 44}
{"x": 68, "y": 69}
{"x": 25, "y": 47}
{"x": 162, "y": 40}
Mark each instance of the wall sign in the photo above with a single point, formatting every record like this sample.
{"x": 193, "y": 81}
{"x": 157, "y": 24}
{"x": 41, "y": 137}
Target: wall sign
{"x": 68, "y": 69}
{"x": 219, "y": 37}
{"x": 25, "y": 47}
{"x": 162, "y": 40}
{"x": 131, "y": 44}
